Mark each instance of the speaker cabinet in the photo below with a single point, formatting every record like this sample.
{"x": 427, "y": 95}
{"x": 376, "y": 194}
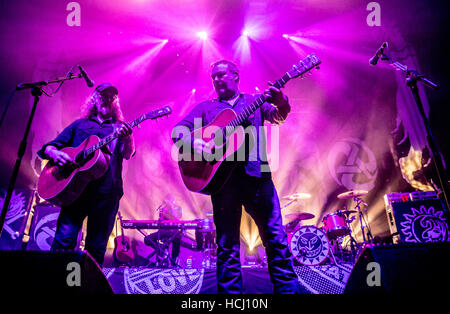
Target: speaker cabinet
{"x": 415, "y": 219}
{"x": 38, "y": 272}
{"x": 414, "y": 268}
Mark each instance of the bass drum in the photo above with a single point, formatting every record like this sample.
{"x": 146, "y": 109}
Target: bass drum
{"x": 309, "y": 245}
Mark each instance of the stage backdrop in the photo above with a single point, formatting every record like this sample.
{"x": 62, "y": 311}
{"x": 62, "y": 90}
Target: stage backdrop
{"x": 344, "y": 132}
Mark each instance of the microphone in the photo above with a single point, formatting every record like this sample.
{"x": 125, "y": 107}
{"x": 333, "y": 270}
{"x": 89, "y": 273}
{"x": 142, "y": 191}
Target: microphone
{"x": 378, "y": 54}
{"x": 89, "y": 82}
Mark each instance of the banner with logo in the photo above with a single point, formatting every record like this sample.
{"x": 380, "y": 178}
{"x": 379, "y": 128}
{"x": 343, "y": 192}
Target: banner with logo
{"x": 16, "y": 218}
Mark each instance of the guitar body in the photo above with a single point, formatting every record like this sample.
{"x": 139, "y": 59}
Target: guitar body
{"x": 208, "y": 177}
{"x": 122, "y": 250}
{"x": 62, "y": 185}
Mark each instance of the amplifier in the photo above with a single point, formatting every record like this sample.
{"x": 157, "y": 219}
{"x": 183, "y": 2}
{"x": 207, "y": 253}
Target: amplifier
{"x": 418, "y": 217}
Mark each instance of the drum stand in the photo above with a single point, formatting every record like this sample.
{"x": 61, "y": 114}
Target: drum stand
{"x": 336, "y": 243}
{"x": 354, "y": 246}
{"x": 369, "y": 234}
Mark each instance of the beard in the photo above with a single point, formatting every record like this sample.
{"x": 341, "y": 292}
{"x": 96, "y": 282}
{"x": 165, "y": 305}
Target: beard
{"x": 105, "y": 113}
{"x": 225, "y": 93}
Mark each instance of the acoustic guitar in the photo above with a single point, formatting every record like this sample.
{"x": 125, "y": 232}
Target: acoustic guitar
{"x": 122, "y": 248}
{"x": 62, "y": 185}
{"x": 206, "y": 174}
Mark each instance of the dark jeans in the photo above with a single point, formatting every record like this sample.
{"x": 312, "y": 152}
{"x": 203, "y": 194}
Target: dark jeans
{"x": 260, "y": 200}
{"x": 101, "y": 211}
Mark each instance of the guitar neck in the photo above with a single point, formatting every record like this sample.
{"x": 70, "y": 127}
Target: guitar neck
{"x": 120, "y": 222}
{"x": 111, "y": 137}
{"x": 258, "y": 102}
{"x": 305, "y": 65}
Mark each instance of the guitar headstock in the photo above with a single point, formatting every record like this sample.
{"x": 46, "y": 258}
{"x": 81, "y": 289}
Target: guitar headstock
{"x": 158, "y": 113}
{"x": 305, "y": 65}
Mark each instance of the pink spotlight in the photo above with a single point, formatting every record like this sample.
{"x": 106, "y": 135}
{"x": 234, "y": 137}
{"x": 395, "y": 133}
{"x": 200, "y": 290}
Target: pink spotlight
{"x": 193, "y": 90}
{"x": 202, "y": 35}
{"x": 286, "y": 36}
{"x": 246, "y": 33}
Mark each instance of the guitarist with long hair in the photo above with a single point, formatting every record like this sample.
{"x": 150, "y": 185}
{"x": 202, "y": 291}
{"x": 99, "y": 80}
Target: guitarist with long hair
{"x": 101, "y": 116}
{"x": 250, "y": 183}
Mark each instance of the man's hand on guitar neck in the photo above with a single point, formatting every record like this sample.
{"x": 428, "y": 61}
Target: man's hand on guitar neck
{"x": 57, "y": 156}
{"x": 275, "y": 96}
{"x": 125, "y": 130}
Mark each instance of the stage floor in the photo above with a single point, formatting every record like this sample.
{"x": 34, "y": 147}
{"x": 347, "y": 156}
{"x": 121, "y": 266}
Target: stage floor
{"x": 321, "y": 279}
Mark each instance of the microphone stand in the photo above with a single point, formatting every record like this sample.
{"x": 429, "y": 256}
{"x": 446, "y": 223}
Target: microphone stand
{"x": 412, "y": 77}
{"x": 36, "y": 92}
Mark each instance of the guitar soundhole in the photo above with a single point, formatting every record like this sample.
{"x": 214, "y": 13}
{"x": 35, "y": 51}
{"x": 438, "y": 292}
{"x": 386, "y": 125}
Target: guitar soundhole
{"x": 66, "y": 170}
{"x": 80, "y": 160}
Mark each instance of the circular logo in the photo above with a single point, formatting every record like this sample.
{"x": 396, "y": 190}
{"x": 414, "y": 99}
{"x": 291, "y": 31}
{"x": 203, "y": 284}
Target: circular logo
{"x": 352, "y": 164}
{"x": 309, "y": 245}
{"x": 425, "y": 225}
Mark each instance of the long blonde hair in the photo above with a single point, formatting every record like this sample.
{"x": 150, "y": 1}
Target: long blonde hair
{"x": 89, "y": 108}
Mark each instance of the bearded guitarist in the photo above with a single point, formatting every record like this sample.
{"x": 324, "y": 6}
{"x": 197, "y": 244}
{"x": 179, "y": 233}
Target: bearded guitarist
{"x": 101, "y": 116}
{"x": 249, "y": 183}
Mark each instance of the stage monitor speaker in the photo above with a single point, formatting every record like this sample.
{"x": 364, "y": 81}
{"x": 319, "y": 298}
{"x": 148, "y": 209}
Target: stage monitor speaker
{"x": 38, "y": 272}
{"x": 401, "y": 268}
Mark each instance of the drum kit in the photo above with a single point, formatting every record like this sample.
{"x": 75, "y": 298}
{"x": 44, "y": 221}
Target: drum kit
{"x": 311, "y": 245}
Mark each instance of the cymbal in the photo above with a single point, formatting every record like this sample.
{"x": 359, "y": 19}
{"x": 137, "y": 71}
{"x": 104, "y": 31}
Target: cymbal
{"x": 352, "y": 194}
{"x": 297, "y": 196}
{"x": 299, "y": 216}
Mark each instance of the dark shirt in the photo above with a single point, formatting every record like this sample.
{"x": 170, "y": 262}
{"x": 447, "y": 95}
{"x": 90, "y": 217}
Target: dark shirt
{"x": 256, "y": 163}
{"x": 74, "y": 134}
